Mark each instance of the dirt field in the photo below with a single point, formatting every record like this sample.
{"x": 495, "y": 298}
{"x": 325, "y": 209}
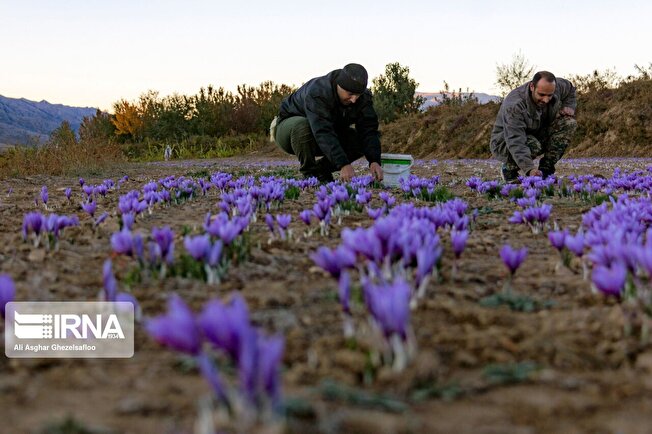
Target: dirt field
{"x": 566, "y": 368}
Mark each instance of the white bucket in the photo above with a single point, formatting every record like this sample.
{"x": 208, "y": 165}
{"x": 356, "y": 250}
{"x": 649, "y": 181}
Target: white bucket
{"x": 395, "y": 167}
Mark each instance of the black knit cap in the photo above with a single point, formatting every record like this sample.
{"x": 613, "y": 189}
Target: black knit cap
{"x": 353, "y": 77}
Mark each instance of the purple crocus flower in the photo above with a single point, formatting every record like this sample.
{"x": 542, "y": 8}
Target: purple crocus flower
{"x": 363, "y": 196}
{"x": 122, "y": 242}
{"x": 198, "y": 247}
{"x": 283, "y": 220}
{"x": 44, "y": 195}
{"x": 458, "y": 240}
{"x": 610, "y": 280}
{"x": 269, "y": 221}
{"x": 225, "y": 325}
{"x": 33, "y": 222}
{"x": 109, "y": 281}
{"x": 575, "y": 244}
{"x": 375, "y": 213}
{"x": 68, "y": 192}
{"x": 138, "y": 247}
{"x": 210, "y": 374}
{"x": 125, "y": 297}
{"x": 101, "y": 218}
{"x": 512, "y": 258}
{"x": 427, "y": 258}
{"x": 128, "y": 220}
{"x": 387, "y": 198}
{"x": 90, "y": 207}
{"x": 389, "y": 305}
{"x": 88, "y": 190}
{"x": 516, "y": 218}
{"x": 177, "y": 328}
{"x": 7, "y": 291}
{"x": 164, "y": 237}
{"x": 558, "y": 239}
{"x": 81, "y": 182}
{"x": 229, "y": 230}
{"x": 270, "y": 355}
{"x": 305, "y": 216}
{"x": 334, "y": 261}
{"x": 215, "y": 253}
{"x": 344, "y": 292}
{"x": 322, "y": 210}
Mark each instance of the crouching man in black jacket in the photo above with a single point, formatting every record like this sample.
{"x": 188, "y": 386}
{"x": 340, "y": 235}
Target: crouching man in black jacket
{"x": 316, "y": 121}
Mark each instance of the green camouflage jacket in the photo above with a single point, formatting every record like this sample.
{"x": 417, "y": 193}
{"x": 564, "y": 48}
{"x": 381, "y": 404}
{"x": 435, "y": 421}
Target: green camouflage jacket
{"x": 519, "y": 116}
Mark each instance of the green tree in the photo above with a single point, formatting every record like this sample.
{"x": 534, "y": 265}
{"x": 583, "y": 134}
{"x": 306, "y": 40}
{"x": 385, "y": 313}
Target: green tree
{"x": 395, "y": 93}
{"x": 212, "y": 111}
{"x": 63, "y": 136}
{"x": 511, "y": 75}
{"x": 96, "y": 129}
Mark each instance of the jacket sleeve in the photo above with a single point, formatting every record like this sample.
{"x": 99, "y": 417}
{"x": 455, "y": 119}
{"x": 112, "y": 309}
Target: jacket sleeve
{"x": 367, "y": 128}
{"x": 516, "y": 137}
{"x": 323, "y": 129}
{"x": 567, "y": 94}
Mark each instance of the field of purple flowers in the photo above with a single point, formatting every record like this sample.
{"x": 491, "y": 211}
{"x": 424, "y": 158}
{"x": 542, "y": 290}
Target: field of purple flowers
{"x": 267, "y": 304}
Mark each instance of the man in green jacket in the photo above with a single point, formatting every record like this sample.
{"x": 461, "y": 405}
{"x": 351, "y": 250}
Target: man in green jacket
{"x": 316, "y": 121}
{"x": 537, "y": 118}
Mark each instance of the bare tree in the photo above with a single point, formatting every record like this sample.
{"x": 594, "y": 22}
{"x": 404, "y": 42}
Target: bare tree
{"x": 514, "y": 74}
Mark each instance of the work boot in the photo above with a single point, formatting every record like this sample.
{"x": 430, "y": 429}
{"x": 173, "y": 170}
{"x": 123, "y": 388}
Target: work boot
{"x": 322, "y": 177}
{"x": 325, "y": 169}
{"x": 510, "y": 176}
{"x": 546, "y": 171}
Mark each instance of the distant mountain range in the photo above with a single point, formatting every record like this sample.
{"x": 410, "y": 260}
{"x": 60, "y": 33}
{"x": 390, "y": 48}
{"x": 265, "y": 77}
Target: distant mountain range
{"x": 27, "y": 122}
{"x": 434, "y": 98}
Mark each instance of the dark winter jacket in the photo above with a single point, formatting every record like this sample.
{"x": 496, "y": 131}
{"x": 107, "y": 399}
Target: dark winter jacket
{"x": 519, "y": 116}
{"x": 317, "y": 101}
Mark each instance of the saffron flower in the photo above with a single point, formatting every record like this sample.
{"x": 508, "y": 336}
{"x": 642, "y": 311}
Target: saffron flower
{"x": 512, "y": 259}
{"x": 198, "y": 247}
{"x": 7, "y": 291}
{"x": 269, "y": 221}
{"x": 123, "y": 242}
{"x": 44, "y": 196}
{"x": 128, "y": 220}
{"x": 101, "y": 218}
{"x": 334, "y": 261}
{"x": 283, "y": 221}
{"x": 225, "y": 325}
{"x": 89, "y": 207}
{"x": 177, "y": 328}
{"x": 575, "y": 244}
{"x": 458, "y": 241}
{"x": 610, "y": 280}
{"x": 164, "y": 238}
{"x": 306, "y": 216}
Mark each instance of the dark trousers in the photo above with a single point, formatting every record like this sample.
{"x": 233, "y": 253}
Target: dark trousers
{"x": 294, "y": 136}
{"x": 550, "y": 142}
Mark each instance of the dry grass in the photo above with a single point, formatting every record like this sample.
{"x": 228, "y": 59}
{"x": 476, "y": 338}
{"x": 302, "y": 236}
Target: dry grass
{"x": 74, "y": 159}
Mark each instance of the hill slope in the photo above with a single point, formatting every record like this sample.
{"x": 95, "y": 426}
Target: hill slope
{"x": 23, "y": 121}
{"x": 611, "y": 122}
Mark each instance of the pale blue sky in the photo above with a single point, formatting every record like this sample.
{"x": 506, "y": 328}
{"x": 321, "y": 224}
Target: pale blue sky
{"x": 92, "y": 53}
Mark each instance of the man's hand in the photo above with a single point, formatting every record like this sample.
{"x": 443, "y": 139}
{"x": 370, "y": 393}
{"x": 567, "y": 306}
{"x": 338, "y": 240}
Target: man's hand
{"x": 567, "y": 111}
{"x": 534, "y": 172}
{"x": 346, "y": 173}
{"x": 376, "y": 171}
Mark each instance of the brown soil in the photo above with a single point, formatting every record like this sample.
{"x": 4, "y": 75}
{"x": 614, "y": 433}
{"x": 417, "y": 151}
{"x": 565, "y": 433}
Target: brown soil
{"x": 589, "y": 375}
